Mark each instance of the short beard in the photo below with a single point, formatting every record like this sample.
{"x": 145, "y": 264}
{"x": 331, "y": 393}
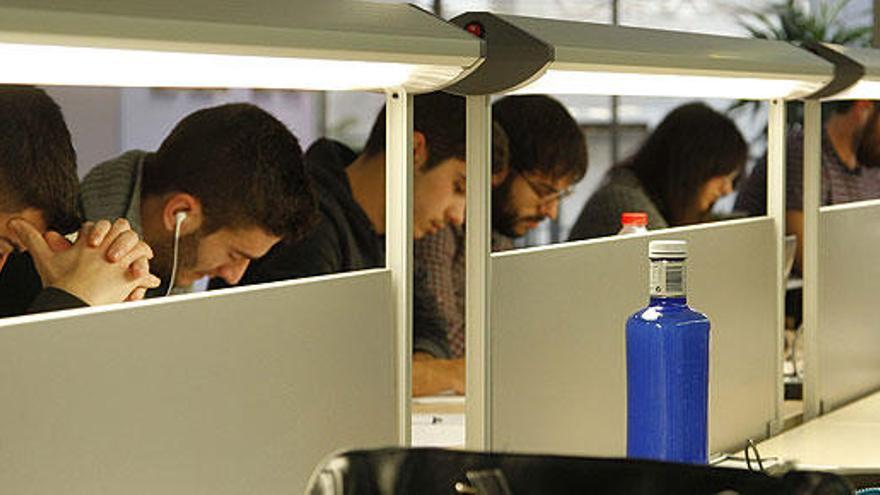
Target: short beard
{"x": 868, "y": 144}
{"x": 503, "y": 219}
{"x": 163, "y": 255}
{"x": 504, "y": 216}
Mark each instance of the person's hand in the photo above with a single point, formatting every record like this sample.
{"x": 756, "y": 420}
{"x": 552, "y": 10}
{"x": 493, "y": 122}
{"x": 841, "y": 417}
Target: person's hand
{"x": 84, "y": 270}
{"x": 123, "y": 241}
{"x": 432, "y": 376}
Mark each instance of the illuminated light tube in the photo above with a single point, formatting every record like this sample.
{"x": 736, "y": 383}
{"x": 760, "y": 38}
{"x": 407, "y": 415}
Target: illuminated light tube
{"x": 862, "y": 90}
{"x": 79, "y": 66}
{"x": 633, "y": 84}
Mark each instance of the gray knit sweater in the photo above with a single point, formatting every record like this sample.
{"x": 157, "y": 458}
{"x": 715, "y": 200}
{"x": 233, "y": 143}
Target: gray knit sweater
{"x": 621, "y": 192}
{"x": 112, "y": 189}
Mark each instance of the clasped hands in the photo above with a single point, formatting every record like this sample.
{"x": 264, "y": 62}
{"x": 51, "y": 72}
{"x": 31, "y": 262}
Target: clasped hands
{"x": 108, "y": 263}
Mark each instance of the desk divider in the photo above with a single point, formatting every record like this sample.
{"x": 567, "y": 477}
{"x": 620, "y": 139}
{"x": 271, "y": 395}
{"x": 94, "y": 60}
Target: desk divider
{"x": 557, "y": 350}
{"x": 848, "y": 338}
{"x": 238, "y": 391}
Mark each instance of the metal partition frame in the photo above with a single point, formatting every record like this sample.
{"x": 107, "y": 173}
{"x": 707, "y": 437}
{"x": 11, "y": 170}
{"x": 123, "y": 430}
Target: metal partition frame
{"x": 478, "y": 269}
{"x": 237, "y": 391}
{"x": 399, "y": 242}
{"x": 557, "y": 353}
{"x": 812, "y": 248}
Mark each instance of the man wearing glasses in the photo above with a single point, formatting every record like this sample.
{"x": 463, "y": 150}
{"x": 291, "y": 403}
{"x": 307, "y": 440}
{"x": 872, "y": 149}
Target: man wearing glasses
{"x": 547, "y": 156}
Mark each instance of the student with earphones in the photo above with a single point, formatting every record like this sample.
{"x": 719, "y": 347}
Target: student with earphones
{"x": 39, "y": 269}
{"x": 225, "y": 186}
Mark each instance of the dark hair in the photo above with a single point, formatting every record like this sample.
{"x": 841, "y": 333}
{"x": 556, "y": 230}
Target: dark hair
{"x": 500, "y": 148}
{"x": 440, "y": 117}
{"x": 544, "y": 138}
{"x": 836, "y": 106}
{"x": 244, "y": 166}
{"x": 37, "y": 159}
{"x": 691, "y": 145}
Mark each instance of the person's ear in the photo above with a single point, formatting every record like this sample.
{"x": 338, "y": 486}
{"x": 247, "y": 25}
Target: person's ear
{"x": 181, "y": 202}
{"x": 420, "y": 150}
{"x": 500, "y": 176}
{"x": 864, "y": 109}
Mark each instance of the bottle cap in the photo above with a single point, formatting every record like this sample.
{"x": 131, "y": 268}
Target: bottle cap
{"x": 638, "y": 219}
{"x": 668, "y": 249}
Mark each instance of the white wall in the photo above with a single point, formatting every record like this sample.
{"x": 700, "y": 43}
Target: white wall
{"x": 148, "y": 115}
{"x": 104, "y": 122}
{"x": 94, "y": 119}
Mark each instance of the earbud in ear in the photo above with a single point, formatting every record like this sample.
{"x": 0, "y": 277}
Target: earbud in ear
{"x": 179, "y": 217}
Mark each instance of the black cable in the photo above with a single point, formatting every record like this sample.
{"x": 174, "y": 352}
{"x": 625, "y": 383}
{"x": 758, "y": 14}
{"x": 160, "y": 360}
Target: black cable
{"x": 751, "y": 447}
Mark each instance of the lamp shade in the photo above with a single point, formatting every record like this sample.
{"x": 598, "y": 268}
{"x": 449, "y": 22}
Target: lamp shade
{"x": 328, "y": 45}
{"x": 589, "y": 58}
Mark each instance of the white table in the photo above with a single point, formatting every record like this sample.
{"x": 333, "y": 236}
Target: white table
{"x": 843, "y": 441}
{"x": 438, "y": 421}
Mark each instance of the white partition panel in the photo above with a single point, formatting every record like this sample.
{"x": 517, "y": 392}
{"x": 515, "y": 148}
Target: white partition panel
{"x": 558, "y": 357}
{"x": 848, "y": 338}
{"x": 238, "y": 391}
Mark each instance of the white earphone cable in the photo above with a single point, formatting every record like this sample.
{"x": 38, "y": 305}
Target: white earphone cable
{"x": 178, "y": 219}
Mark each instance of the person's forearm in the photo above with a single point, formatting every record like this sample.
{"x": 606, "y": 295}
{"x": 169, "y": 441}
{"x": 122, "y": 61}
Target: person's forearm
{"x": 437, "y": 376}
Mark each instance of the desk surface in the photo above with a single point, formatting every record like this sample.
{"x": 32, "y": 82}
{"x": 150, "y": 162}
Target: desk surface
{"x": 845, "y": 440}
{"x": 438, "y": 421}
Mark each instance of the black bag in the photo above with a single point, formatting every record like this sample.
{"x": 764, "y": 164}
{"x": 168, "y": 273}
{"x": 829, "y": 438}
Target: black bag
{"x": 397, "y": 471}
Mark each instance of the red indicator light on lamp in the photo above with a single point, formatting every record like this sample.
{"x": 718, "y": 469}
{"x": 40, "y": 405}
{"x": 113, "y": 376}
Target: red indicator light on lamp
{"x": 475, "y": 28}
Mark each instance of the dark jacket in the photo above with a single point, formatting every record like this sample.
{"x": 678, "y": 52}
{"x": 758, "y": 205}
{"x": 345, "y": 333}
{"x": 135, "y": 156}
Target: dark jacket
{"x": 621, "y": 191}
{"x": 22, "y": 292}
{"x": 343, "y": 240}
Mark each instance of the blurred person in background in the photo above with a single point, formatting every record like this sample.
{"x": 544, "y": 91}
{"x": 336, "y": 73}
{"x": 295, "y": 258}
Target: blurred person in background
{"x": 692, "y": 159}
{"x": 850, "y": 166}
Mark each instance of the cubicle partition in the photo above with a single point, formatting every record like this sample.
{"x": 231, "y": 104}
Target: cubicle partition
{"x": 557, "y": 354}
{"x": 849, "y": 283}
{"x": 242, "y": 391}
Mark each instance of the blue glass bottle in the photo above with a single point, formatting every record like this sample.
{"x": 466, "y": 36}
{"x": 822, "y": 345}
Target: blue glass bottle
{"x": 667, "y": 366}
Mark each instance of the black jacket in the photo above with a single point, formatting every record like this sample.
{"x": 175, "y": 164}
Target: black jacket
{"x": 22, "y": 292}
{"x": 343, "y": 240}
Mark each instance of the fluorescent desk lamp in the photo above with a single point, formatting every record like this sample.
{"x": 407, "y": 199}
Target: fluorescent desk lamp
{"x": 197, "y": 43}
{"x": 867, "y": 87}
{"x": 568, "y": 57}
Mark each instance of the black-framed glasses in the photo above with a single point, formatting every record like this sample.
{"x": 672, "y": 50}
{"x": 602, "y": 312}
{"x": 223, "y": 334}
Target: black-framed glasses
{"x": 547, "y": 194}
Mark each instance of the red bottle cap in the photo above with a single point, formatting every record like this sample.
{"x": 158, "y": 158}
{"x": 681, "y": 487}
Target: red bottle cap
{"x": 636, "y": 219}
